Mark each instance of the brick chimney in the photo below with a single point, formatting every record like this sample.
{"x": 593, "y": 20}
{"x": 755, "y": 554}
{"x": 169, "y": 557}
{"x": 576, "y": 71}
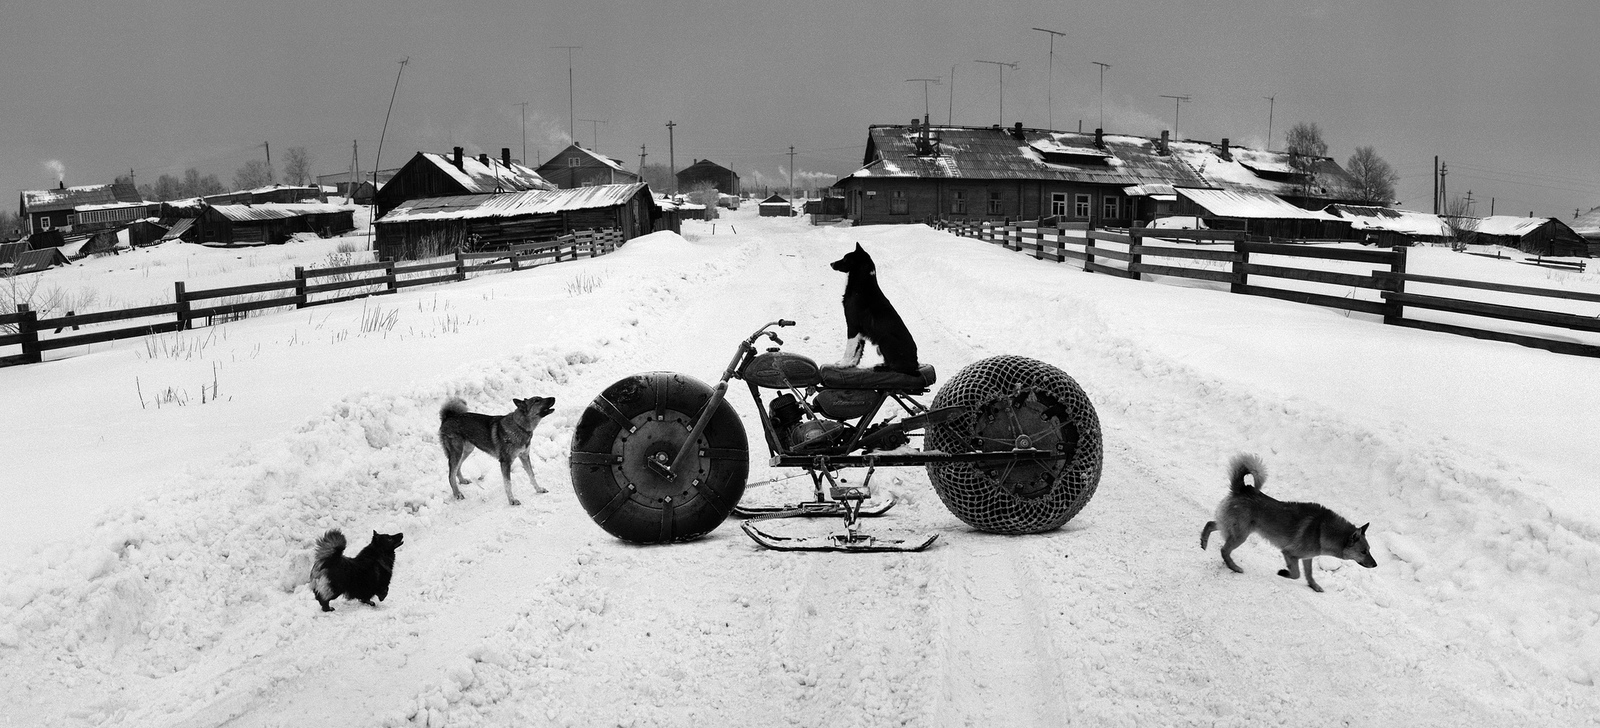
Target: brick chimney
{"x": 483, "y": 158}
{"x": 1016, "y": 130}
{"x": 1224, "y": 153}
{"x": 505, "y": 156}
{"x": 61, "y": 184}
{"x": 1100, "y": 138}
{"x": 1164, "y": 147}
{"x": 457, "y": 159}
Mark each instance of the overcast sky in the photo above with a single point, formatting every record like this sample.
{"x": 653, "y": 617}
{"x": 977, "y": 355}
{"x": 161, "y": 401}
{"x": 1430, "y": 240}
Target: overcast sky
{"x": 1506, "y": 93}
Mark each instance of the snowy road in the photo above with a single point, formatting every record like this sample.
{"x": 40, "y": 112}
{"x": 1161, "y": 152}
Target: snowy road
{"x": 190, "y": 608}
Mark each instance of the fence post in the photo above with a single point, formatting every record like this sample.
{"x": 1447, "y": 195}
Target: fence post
{"x": 461, "y": 266}
{"x": 1394, "y": 311}
{"x": 182, "y": 298}
{"x": 28, "y": 327}
{"x": 300, "y": 286}
{"x": 1240, "y": 277}
{"x": 1135, "y": 258}
{"x": 388, "y": 273}
{"x": 1088, "y": 250}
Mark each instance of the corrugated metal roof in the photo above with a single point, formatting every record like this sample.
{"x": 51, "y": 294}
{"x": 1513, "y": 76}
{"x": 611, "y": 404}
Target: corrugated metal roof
{"x": 1511, "y": 225}
{"x": 1256, "y": 170}
{"x": 1251, "y": 205}
{"x": 274, "y": 211}
{"x": 994, "y": 153}
{"x": 1409, "y": 222}
{"x": 179, "y": 228}
{"x": 71, "y": 197}
{"x": 477, "y": 177}
{"x": 1587, "y": 224}
{"x": 532, "y": 202}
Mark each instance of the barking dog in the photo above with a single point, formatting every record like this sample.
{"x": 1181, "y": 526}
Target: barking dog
{"x": 868, "y": 316}
{"x": 1300, "y": 530}
{"x": 363, "y": 577}
{"x": 504, "y": 436}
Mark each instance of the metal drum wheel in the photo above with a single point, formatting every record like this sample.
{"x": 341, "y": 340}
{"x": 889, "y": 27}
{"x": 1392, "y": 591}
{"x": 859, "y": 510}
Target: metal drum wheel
{"x": 1016, "y": 402}
{"x": 626, "y": 437}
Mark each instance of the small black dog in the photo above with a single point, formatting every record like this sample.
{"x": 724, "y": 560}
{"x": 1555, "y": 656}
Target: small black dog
{"x": 363, "y": 577}
{"x": 868, "y": 316}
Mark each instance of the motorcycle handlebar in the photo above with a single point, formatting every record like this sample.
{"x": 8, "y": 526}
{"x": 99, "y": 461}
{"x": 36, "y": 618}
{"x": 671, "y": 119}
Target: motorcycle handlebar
{"x": 785, "y": 322}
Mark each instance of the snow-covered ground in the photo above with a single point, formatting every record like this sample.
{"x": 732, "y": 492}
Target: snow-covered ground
{"x": 154, "y": 561}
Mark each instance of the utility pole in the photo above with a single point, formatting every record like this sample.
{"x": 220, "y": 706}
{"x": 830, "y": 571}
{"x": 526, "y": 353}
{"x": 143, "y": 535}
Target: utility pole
{"x": 1001, "y": 66}
{"x": 1435, "y": 184}
{"x": 594, "y": 127}
{"x": 642, "y": 155}
{"x": 571, "y": 117}
{"x": 1270, "y": 101}
{"x": 355, "y": 172}
{"x": 672, "y": 159}
{"x": 377, "y": 159}
{"x": 1469, "y": 204}
{"x": 1176, "y": 100}
{"x": 1050, "y": 93}
{"x": 791, "y": 171}
{"x": 1103, "y": 67}
{"x": 524, "y": 106}
{"x": 925, "y": 82}
{"x": 268, "y": 145}
{"x": 1444, "y": 187}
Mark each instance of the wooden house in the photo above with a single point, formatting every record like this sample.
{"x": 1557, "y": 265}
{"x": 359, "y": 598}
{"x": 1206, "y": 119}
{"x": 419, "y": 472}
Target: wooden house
{"x": 57, "y": 208}
{"x": 1532, "y": 235}
{"x": 1587, "y": 226}
{"x": 430, "y": 175}
{"x": 270, "y": 223}
{"x": 917, "y": 172}
{"x": 704, "y": 172}
{"x": 579, "y": 167}
{"x": 436, "y": 225}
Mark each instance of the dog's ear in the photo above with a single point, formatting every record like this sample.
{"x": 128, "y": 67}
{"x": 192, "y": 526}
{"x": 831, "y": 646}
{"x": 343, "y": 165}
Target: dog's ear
{"x": 520, "y": 403}
{"x": 858, "y": 248}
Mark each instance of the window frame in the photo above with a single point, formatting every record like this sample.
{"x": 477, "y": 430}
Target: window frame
{"x": 1082, "y": 205}
{"x": 996, "y": 206}
{"x": 1058, "y": 204}
{"x": 899, "y": 203}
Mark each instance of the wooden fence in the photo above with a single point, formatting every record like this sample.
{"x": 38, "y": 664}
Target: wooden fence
{"x": 1137, "y": 252}
{"x": 309, "y": 287}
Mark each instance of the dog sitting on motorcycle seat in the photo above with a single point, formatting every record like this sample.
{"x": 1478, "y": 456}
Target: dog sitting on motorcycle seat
{"x": 868, "y": 316}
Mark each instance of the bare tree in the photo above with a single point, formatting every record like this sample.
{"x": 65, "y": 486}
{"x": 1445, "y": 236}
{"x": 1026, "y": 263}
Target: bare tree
{"x": 658, "y": 176}
{"x": 1375, "y": 179}
{"x": 255, "y": 173}
{"x": 1306, "y": 150}
{"x": 705, "y": 193}
{"x": 297, "y": 166}
{"x": 195, "y": 185}
{"x": 1463, "y": 227}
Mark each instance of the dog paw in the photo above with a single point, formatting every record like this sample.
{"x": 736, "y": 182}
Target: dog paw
{"x": 458, "y": 496}
{"x": 516, "y": 502}
{"x": 1316, "y": 588}
{"x": 1285, "y": 574}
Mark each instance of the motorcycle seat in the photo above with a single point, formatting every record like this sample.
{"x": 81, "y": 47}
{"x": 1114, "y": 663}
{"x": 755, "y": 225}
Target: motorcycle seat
{"x": 837, "y": 377}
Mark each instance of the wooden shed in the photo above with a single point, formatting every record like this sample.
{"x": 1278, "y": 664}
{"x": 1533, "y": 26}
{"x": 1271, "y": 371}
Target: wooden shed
{"x": 437, "y": 225}
{"x": 430, "y": 175}
{"x": 270, "y": 223}
{"x": 776, "y": 206}
{"x": 1532, "y": 235}
{"x": 1259, "y": 213}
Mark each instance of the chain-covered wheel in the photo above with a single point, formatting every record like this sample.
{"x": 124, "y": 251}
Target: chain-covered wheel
{"x": 1014, "y": 402}
{"x": 629, "y": 434}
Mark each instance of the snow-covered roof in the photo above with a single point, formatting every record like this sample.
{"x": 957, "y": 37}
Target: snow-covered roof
{"x": 1257, "y": 170}
{"x": 1409, "y": 222}
{"x": 1252, "y": 205}
{"x": 71, "y": 197}
{"x": 275, "y": 210}
{"x": 477, "y": 177}
{"x": 531, "y": 202}
{"x": 108, "y": 206}
{"x": 1510, "y": 225}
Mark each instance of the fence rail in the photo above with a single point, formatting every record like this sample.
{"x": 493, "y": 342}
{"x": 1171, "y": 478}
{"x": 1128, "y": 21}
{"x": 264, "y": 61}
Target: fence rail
{"x": 1125, "y": 253}
{"x": 36, "y": 335}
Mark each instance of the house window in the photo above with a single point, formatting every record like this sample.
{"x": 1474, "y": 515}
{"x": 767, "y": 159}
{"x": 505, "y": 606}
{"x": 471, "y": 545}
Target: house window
{"x": 1111, "y": 207}
{"x": 1058, "y": 204}
{"x": 994, "y": 203}
{"x": 572, "y": 161}
{"x": 1080, "y": 206}
{"x": 958, "y": 202}
{"x": 898, "y": 204}
{"x": 45, "y": 223}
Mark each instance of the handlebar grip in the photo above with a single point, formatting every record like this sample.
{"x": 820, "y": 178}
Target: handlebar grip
{"x": 785, "y": 322}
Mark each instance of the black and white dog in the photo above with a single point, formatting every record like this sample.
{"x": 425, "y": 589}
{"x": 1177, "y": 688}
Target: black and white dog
{"x": 868, "y": 316}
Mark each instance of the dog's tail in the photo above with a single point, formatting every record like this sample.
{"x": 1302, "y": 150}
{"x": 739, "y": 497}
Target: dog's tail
{"x": 329, "y": 546}
{"x": 1245, "y": 464}
{"x": 452, "y": 406}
